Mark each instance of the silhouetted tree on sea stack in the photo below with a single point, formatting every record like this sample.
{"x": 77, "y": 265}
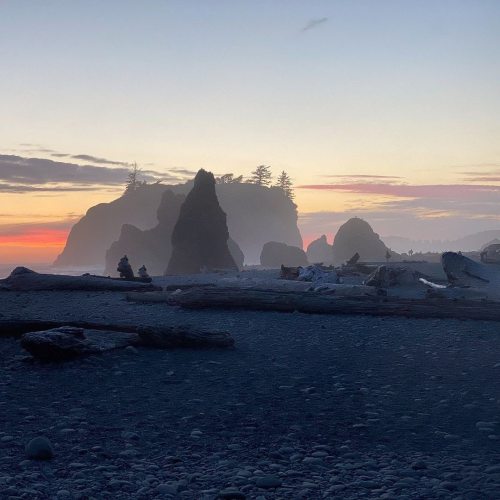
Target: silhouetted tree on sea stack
{"x": 229, "y": 179}
{"x": 261, "y": 176}
{"x": 284, "y": 182}
{"x": 133, "y": 181}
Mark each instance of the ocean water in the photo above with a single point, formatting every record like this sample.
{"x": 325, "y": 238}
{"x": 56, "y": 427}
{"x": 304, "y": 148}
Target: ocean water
{"x": 6, "y": 269}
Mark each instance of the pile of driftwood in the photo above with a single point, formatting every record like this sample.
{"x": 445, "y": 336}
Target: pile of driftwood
{"x": 473, "y": 292}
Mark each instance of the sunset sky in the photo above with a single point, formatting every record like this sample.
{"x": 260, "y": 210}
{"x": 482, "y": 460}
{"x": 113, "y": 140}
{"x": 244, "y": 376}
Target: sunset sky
{"x": 386, "y": 109}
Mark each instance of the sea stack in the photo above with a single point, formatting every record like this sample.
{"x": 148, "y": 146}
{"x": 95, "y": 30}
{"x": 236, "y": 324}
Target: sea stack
{"x": 357, "y": 236}
{"x": 320, "y": 251}
{"x": 151, "y": 247}
{"x": 200, "y": 236}
{"x": 275, "y": 254}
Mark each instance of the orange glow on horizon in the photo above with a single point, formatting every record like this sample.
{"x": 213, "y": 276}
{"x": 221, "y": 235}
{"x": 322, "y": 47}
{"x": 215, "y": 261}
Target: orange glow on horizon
{"x": 47, "y": 238}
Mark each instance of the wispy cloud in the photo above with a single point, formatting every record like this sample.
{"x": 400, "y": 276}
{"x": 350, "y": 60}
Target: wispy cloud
{"x": 363, "y": 177}
{"x": 417, "y": 211}
{"x": 485, "y": 178}
{"x": 27, "y": 147}
{"x": 20, "y": 188}
{"x": 19, "y": 174}
{"x": 472, "y": 166}
{"x": 183, "y": 171}
{"x": 456, "y": 191}
{"x": 314, "y": 23}
{"x": 92, "y": 159}
{"x": 483, "y": 175}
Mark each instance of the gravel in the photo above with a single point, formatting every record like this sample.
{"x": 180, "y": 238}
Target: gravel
{"x": 306, "y": 406}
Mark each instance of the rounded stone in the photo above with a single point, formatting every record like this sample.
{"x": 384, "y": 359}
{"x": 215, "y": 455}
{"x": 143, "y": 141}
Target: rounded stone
{"x": 267, "y": 482}
{"x": 40, "y": 448}
{"x": 167, "y": 489}
{"x": 231, "y": 494}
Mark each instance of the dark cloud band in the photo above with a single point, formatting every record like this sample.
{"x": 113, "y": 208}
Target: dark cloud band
{"x": 20, "y": 174}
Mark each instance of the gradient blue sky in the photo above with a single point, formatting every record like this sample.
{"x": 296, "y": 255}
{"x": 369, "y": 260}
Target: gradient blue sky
{"x": 400, "y": 88}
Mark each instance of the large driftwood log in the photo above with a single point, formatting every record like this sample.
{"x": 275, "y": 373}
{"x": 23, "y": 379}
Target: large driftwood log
{"x": 60, "y": 344}
{"x": 318, "y": 303}
{"x": 330, "y": 289}
{"x": 23, "y": 279}
{"x": 165, "y": 337}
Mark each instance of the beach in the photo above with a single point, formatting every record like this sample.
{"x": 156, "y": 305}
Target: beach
{"x": 305, "y": 406}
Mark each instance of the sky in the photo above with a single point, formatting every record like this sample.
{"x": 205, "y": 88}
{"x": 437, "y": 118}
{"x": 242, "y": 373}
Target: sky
{"x": 384, "y": 109}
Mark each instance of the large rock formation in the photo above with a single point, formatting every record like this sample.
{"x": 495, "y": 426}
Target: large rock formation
{"x": 276, "y": 254}
{"x": 151, "y": 247}
{"x": 236, "y": 253}
{"x": 356, "y": 235}
{"x": 199, "y": 238}
{"x": 319, "y": 251}
{"x": 93, "y": 234}
{"x": 255, "y": 215}
{"x": 490, "y": 254}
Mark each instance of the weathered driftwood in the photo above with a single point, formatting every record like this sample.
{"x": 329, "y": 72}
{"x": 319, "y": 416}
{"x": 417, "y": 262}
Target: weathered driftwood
{"x": 453, "y": 293}
{"x": 23, "y": 279}
{"x": 462, "y": 271}
{"x": 356, "y": 269}
{"x": 161, "y": 337}
{"x": 491, "y": 254}
{"x": 60, "y": 344}
{"x": 149, "y": 297}
{"x": 186, "y": 286}
{"x": 318, "y": 303}
{"x": 184, "y": 336}
{"x": 289, "y": 273}
{"x": 329, "y": 289}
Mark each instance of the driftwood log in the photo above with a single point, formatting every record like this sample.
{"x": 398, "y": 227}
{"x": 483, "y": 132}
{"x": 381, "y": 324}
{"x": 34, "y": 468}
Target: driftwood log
{"x": 318, "y": 303}
{"x": 165, "y": 337}
{"x": 67, "y": 342}
{"x": 23, "y": 279}
{"x": 183, "y": 336}
{"x": 278, "y": 287}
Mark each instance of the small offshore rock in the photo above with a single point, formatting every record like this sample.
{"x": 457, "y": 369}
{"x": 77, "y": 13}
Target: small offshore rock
{"x": 39, "y": 448}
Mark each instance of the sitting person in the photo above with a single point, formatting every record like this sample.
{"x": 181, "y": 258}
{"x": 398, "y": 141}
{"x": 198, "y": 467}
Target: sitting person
{"x": 143, "y": 272}
{"x": 125, "y": 269}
